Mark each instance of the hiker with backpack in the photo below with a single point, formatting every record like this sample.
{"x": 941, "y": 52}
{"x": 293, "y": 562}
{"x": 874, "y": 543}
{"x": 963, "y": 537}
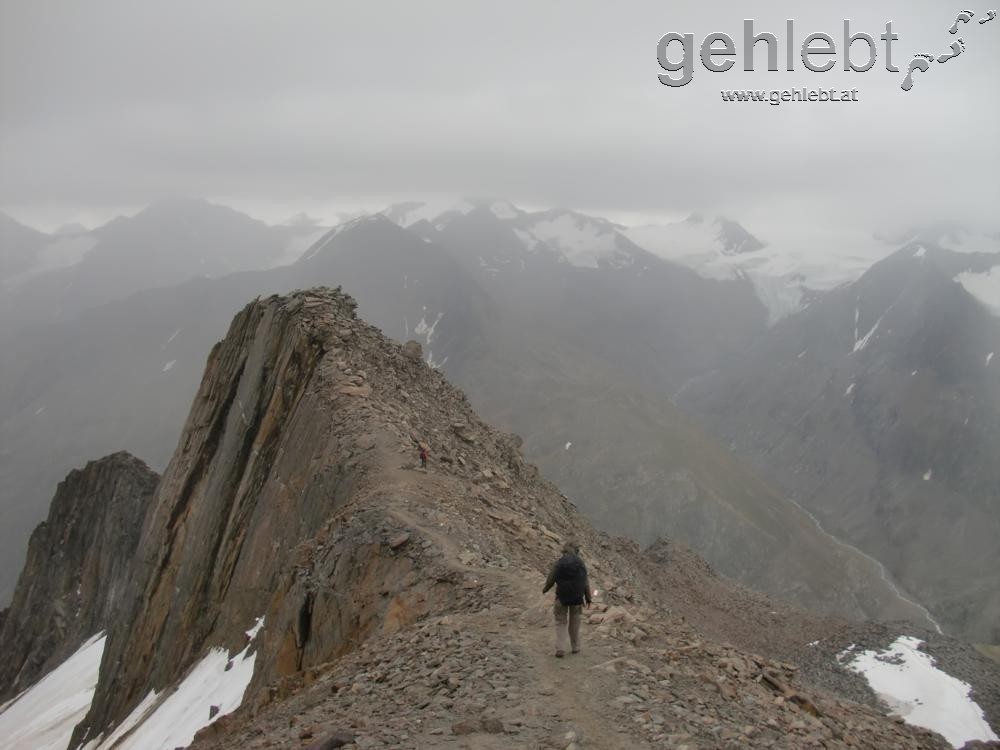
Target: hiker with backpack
{"x": 569, "y": 576}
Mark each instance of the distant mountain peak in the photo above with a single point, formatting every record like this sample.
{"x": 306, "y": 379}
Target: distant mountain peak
{"x": 360, "y": 225}
{"x": 735, "y": 239}
{"x": 182, "y": 210}
{"x": 504, "y": 209}
{"x": 440, "y": 212}
{"x": 178, "y": 203}
{"x": 408, "y": 213}
{"x": 8, "y": 224}
{"x": 302, "y": 220}
{"x": 368, "y": 220}
{"x": 582, "y": 240}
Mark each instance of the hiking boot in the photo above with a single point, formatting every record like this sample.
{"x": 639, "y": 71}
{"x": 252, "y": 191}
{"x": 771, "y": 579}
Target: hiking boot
{"x": 560, "y": 654}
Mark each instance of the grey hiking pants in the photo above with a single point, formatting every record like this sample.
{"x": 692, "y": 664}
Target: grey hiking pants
{"x": 567, "y": 625}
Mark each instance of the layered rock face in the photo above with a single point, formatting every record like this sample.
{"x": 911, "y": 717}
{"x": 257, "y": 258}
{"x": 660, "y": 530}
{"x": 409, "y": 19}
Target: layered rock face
{"x": 401, "y": 607}
{"x": 78, "y": 565}
{"x": 264, "y": 494}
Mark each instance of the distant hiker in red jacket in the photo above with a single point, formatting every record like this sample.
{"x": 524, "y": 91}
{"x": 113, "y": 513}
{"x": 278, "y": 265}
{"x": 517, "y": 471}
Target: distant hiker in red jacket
{"x": 569, "y": 576}
{"x": 423, "y": 456}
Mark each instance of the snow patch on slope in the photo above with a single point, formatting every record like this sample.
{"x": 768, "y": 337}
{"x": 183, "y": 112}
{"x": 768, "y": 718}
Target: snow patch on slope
{"x": 163, "y": 724}
{"x": 408, "y": 214}
{"x": 582, "y": 241}
{"x": 527, "y": 239}
{"x": 861, "y": 343}
{"x": 906, "y": 679}
{"x": 504, "y": 210}
{"x": 793, "y": 264}
{"x": 779, "y": 297}
{"x": 427, "y": 330}
{"x": 43, "y": 716}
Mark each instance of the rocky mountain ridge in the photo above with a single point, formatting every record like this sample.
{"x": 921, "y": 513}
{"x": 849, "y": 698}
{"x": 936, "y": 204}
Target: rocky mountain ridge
{"x": 402, "y": 608}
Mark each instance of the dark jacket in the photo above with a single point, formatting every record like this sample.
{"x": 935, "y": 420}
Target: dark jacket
{"x": 569, "y": 576}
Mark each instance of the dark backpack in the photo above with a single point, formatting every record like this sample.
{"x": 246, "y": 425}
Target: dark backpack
{"x": 571, "y": 580}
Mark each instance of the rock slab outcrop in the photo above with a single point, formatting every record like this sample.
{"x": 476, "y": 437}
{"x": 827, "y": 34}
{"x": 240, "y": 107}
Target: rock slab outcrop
{"x": 78, "y": 564}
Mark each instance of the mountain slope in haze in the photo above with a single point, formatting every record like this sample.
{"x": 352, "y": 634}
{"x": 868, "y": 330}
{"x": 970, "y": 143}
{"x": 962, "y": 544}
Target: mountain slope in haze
{"x": 589, "y": 286}
{"x": 877, "y": 408}
{"x": 407, "y": 602}
{"x": 166, "y": 243}
{"x": 635, "y": 465}
{"x": 19, "y": 246}
{"x": 77, "y": 567}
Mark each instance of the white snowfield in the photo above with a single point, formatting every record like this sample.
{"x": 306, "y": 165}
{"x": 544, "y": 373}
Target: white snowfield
{"x": 793, "y": 262}
{"x": 915, "y": 689}
{"x": 169, "y": 720}
{"x": 431, "y": 210}
{"x": 43, "y": 716}
{"x": 583, "y": 242}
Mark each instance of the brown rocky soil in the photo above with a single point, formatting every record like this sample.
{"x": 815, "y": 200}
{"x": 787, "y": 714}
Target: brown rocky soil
{"x": 484, "y": 675}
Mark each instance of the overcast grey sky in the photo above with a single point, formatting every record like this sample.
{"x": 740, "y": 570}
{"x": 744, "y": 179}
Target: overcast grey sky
{"x": 326, "y": 106}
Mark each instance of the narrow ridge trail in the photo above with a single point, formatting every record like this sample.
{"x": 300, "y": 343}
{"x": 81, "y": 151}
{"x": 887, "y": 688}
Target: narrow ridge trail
{"x": 567, "y": 694}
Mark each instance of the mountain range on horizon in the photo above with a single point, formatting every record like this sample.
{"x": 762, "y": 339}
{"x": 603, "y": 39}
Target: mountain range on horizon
{"x": 787, "y": 274}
